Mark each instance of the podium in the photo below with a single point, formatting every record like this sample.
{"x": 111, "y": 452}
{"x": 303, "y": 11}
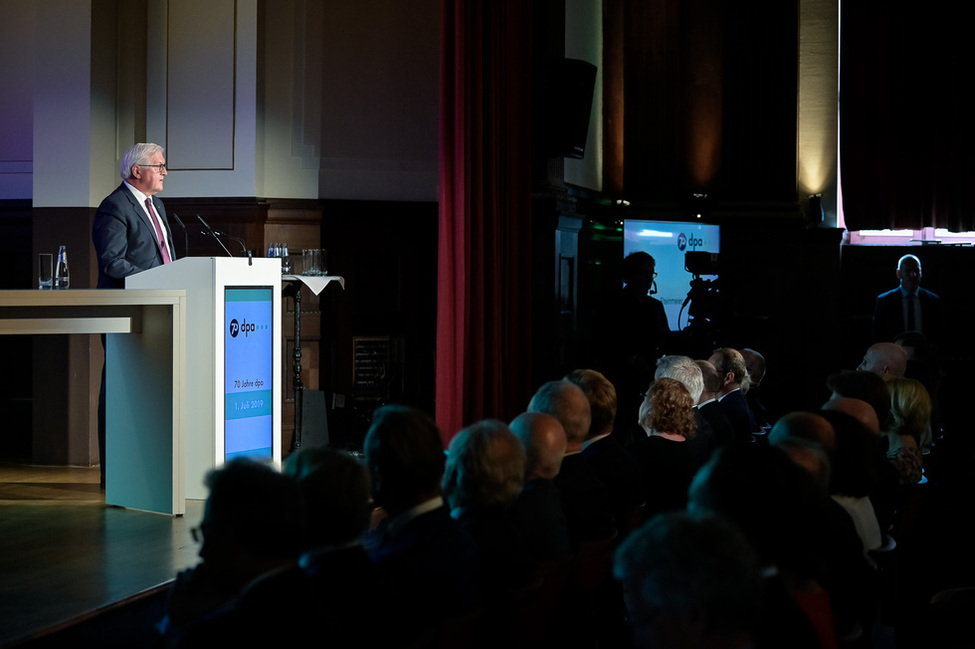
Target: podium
{"x": 231, "y": 398}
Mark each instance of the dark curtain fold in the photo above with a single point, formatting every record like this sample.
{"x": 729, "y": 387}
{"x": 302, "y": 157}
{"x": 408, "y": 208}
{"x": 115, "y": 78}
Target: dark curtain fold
{"x": 484, "y": 297}
{"x": 906, "y": 132}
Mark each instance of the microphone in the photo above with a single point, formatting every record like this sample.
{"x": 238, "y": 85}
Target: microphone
{"x": 186, "y": 235}
{"x": 213, "y": 234}
{"x": 216, "y": 233}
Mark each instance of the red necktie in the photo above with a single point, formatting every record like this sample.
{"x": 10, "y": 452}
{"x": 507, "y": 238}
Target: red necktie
{"x": 159, "y": 233}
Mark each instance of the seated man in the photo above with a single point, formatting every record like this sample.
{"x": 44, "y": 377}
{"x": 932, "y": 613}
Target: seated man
{"x": 708, "y": 407}
{"x": 338, "y": 494}
{"x": 690, "y": 582}
{"x": 484, "y": 475}
{"x": 730, "y": 365}
{"x": 755, "y": 366}
{"x": 538, "y": 510}
{"x": 248, "y": 588}
{"x": 884, "y": 359}
{"x": 433, "y": 559}
{"x": 609, "y": 459}
{"x": 585, "y": 499}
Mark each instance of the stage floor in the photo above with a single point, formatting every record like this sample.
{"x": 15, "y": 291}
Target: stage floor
{"x": 65, "y": 555}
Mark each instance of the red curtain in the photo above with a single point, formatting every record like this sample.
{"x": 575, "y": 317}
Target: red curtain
{"x": 484, "y": 297}
{"x": 906, "y": 131}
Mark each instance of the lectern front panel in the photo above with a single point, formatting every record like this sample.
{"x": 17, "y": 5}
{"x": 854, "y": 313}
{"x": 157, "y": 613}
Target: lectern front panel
{"x": 249, "y": 343}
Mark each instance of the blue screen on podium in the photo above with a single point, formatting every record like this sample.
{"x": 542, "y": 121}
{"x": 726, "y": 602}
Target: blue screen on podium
{"x": 248, "y": 372}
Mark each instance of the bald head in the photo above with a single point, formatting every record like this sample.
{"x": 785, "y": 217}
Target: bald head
{"x": 884, "y": 358}
{"x": 544, "y": 441}
{"x": 711, "y": 378}
{"x": 858, "y": 409}
{"x": 804, "y": 425}
{"x": 568, "y": 403}
{"x": 754, "y": 365}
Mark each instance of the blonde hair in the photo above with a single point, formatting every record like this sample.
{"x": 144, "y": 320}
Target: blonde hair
{"x": 910, "y": 407}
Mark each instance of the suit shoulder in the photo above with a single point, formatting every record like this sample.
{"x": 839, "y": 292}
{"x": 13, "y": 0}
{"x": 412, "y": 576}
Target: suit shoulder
{"x": 115, "y": 199}
{"x": 930, "y": 295}
{"x": 890, "y": 295}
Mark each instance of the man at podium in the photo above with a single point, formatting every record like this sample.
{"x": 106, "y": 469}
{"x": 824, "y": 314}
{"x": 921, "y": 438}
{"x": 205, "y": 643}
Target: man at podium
{"x": 131, "y": 234}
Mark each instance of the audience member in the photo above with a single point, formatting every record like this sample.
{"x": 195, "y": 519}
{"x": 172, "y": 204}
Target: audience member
{"x": 688, "y": 372}
{"x": 734, "y": 381}
{"x": 709, "y": 407}
{"x": 538, "y": 510}
{"x": 253, "y": 531}
{"x": 848, "y": 576}
{"x": 910, "y": 427}
{"x": 431, "y": 557}
{"x": 925, "y": 364}
{"x": 612, "y": 463}
{"x": 855, "y": 480}
{"x": 806, "y": 425}
{"x": 666, "y": 457}
{"x": 755, "y": 366}
{"x": 781, "y": 513}
{"x": 585, "y": 499}
{"x": 863, "y": 385}
{"x": 336, "y": 488}
{"x": 690, "y": 582}
{"x": 884, "y": 359}
{"x": 483, "y": 477}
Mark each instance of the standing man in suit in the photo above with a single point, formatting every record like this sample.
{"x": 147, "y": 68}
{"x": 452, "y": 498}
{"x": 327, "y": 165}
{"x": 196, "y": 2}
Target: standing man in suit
{"x": 131, "y": 234}
{"x": 907, "y": 307}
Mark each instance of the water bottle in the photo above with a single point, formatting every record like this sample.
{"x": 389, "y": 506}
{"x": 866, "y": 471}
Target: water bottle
{"x": 62, "y": 278}
{"x": 285, "y": 260}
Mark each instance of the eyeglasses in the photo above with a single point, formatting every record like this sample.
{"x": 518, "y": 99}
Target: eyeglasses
{"x": 160, "y": 167}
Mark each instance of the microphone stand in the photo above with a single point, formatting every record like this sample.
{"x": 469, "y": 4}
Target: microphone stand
{"x": 214, "y": 235}
{"x": 186, "y": 235}
{"x": 243, "y": 246}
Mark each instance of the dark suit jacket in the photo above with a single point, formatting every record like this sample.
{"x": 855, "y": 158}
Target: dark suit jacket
{"x": 736, "y": 408}
{"x": 125, "y": 239}
{"x": 618, "y": 470}
{"x": 358, "y": 592}
{"x": 435, "y": 563}
{"x": 538, "y": 514}
{"x": 720, "y": 426}
{"x": 888, "y": 315}
{"x": 261, "y": 616}
{"x": 505, "y": 561}
{"x": 585, "y": 500}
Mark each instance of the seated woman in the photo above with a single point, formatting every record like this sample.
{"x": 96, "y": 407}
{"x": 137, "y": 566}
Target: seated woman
{"x": 910, "y": 410}
{"x": 666, "y": 460}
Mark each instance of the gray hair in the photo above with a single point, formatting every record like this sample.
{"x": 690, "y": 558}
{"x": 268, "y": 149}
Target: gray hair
{"x": 485, "y": 466}
{"x": 138, "y": 154}
{"x": 683, "y": 369}
{"x": 566, "y": 402}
